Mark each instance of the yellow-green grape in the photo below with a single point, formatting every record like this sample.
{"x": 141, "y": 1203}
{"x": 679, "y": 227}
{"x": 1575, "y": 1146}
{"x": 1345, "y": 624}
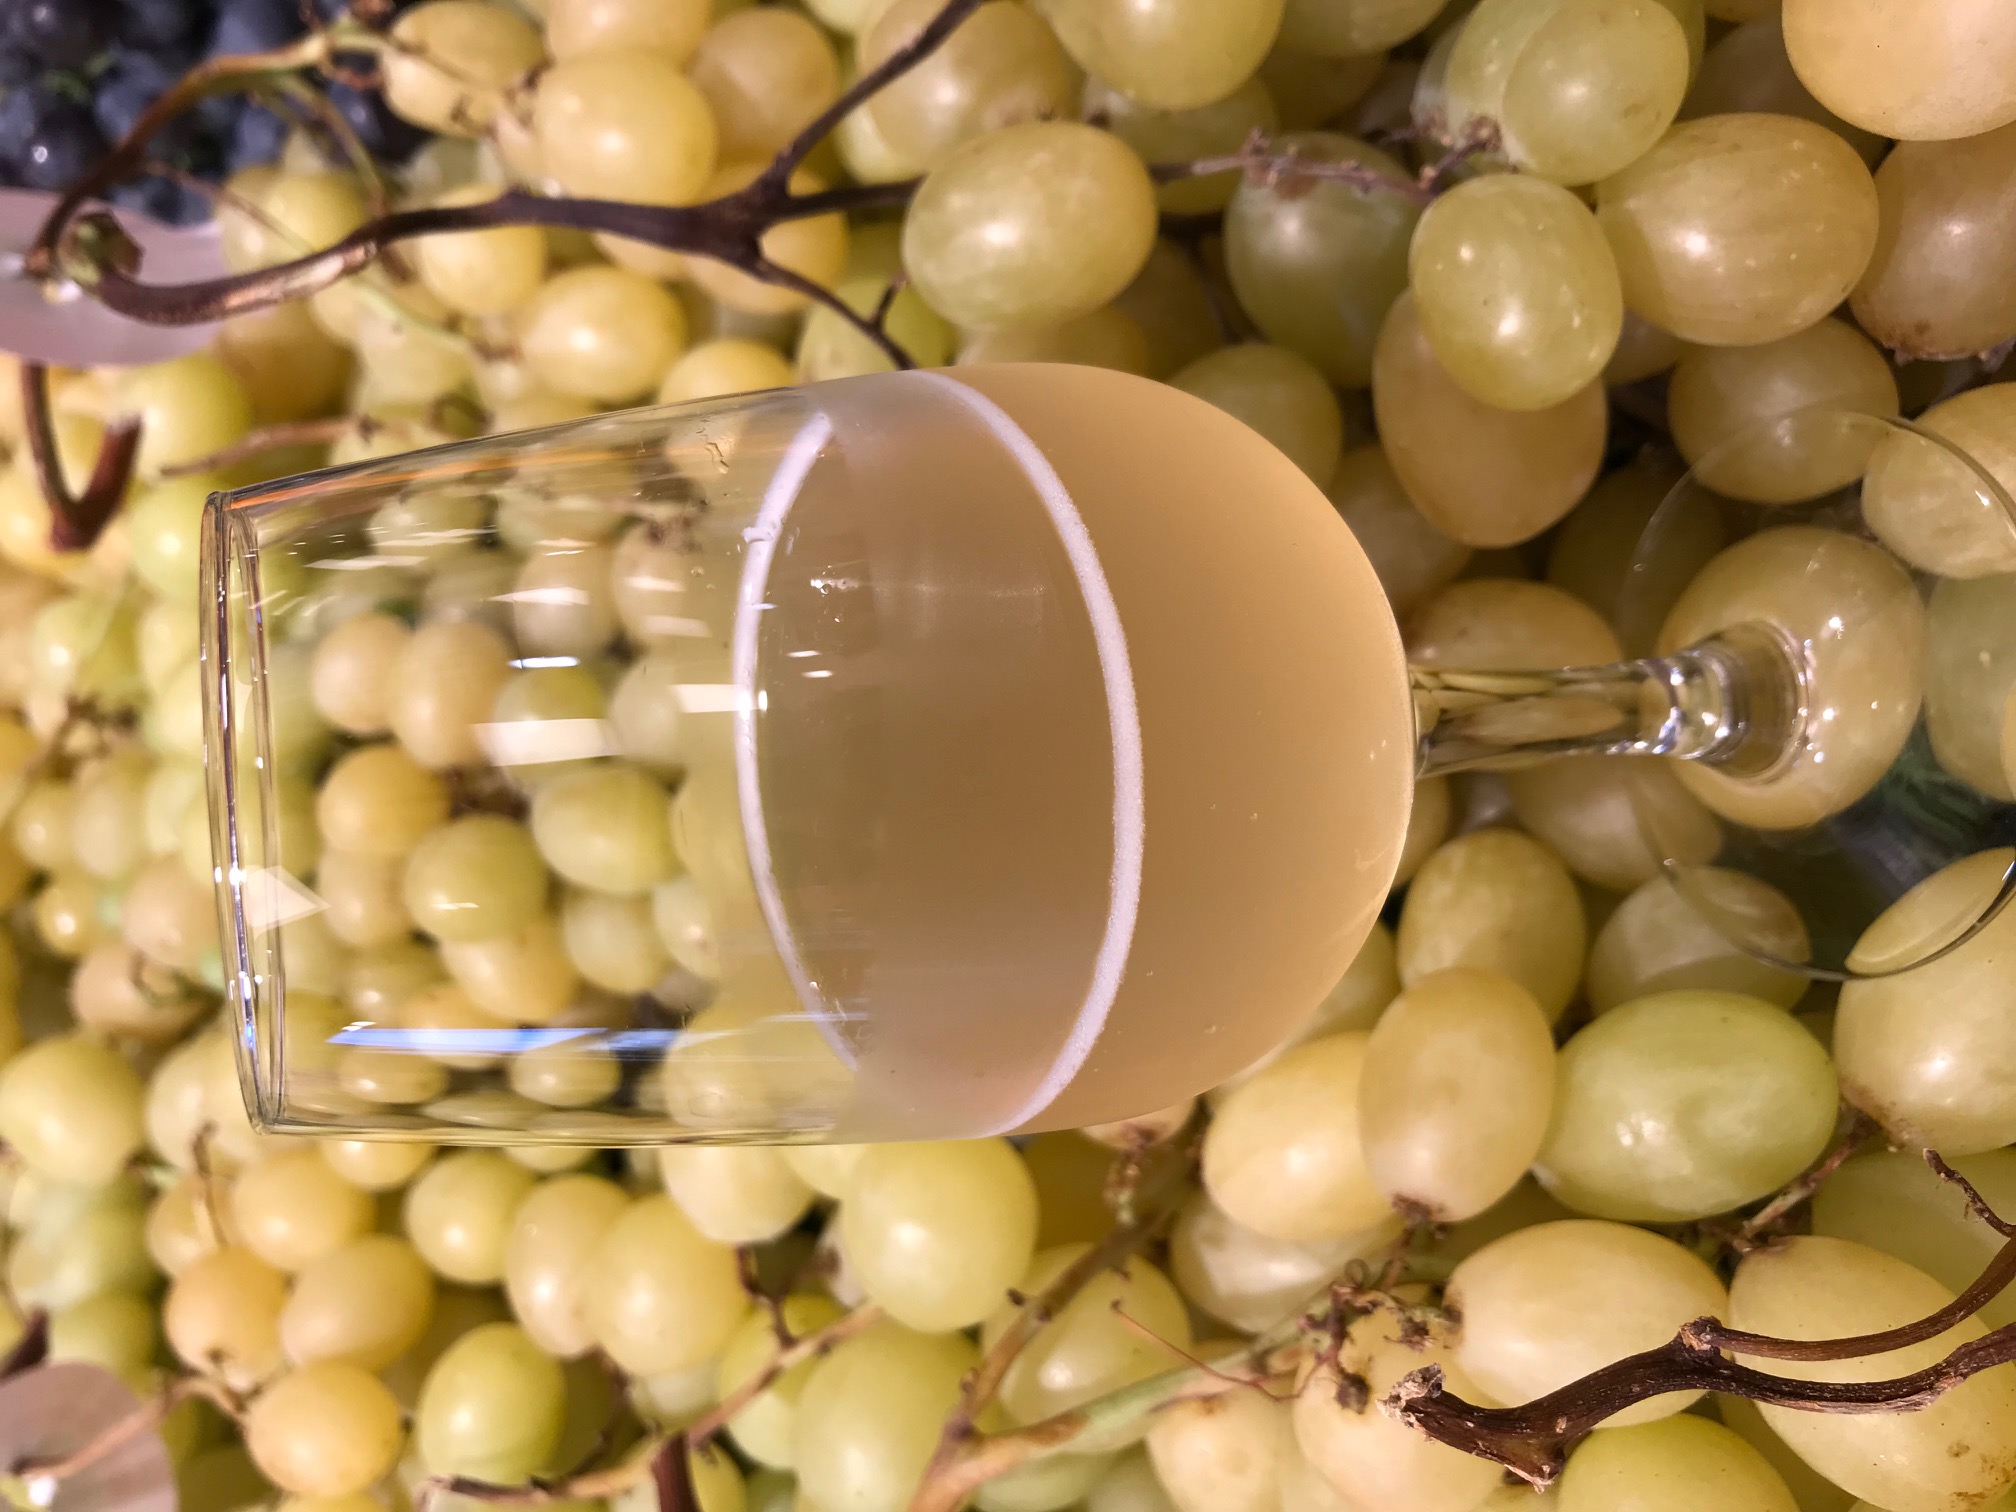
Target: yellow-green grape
{"x": 1860, "y": 624}
{"x": 1614, "y": 823}
{"x": 613, "y": 942}
{"x": 607, "y": 829}
{"x": 1168, "y": 54}
{"x": 626, "y": 126}
{"x": 1348, "y": 28}
{"x": 1213, "y": 130}
{"x": 1309, "y": 90}
{"x": 1508, "y": 625}
{"x": 391, "y": 1077}
{"x": 1595, "y": 555}
{"x": 1953, "y": 74}
{"x": 1228, "y": 1454}
{"x": 377, "y": 1165}
{"x": 1105, "y": 338}
{"x": 1927, "y": 1053}
{"x": 403, "y": 362}
{"x": 601, "y": 333}
{"x": 1517, "y": 471}
{"x": 170, "y": 917}
{"x": 728, "y": 365}
{"x": 1001, "y": 67}
{"x": 670, "y": 27}
{"x": 1279, "y": 394}
{"x": 1545, "y": 1305}
{"x": 814, "y": 247}
{"x": 1656, "y": 941}
{"x": 1577, "y": 89}
{"x": 1892, "y": 1201}
{"x": 647, "y": 717}
{"x": 1371, "y": 1457}
{"x": 1955, "y": 1452}
{"x": 1683, "y": 1105}
{"x": 1045, "y": 1485}
{"x": 1643, "y": 351}
{"x": 453, "y": 61}
{"x": 1948, "y": 220}
{"x": 82, "y": 647}
{"x": 1498, "y": 900}
{"x": 288, "y": 366}
{"x": 1740, "y": 229}
{"x": 1252, "y": 1282}
{"x": 327, "y": 1429}
{"x": 1721, "y": 401}
{"x": 458, "y": 1214}
{"x": 554, "y": 1232}
{"x": 222, "y": 1314}
{"x": 685, "y": 924}
{"x": 734, "y": 1194}
{"x": 442, "y": 688}
{"x": 1457, "y": 1086}
{"x": 765, "y": 1428}
{"x": 661, "y": 1296}
{"x": 548, "y": 720}
{"x": 1811, "y": 1490}
{"x": 70, "y": 1109}
{"x": 291, "y": 1209}
{"x": 664, "y": 591}
{"x": 367, "y": 1303}
{"x": 937, "y": 1233}
{"x": 565, "y": 1074}
{"x": 477, "y": 878}
{"x": 362, "y": 897}
{"x": 164, "y": 523}
{"x": 827, "y": 1169}
{"x": 999, "y": 233}
{"x": 492, "y": 1407}
{"x": 188, "y": 407}
{"x": 1967, "y": 686}
{"x": 1318, "y": 263}
{"x": 765, "y": 72}
{"x": 1747, "y": 71}
{"x": 105, "y": 817}
{"x": 831, "y": 347}
{"x": 1516, "y": 290}
{"x": 489, "y": 272}
{"x": 114, "y": 1329}
{"x": 117, "y": 992}
{"x": 1413, "y": 558}
{"x": 78, "y": 1243}
{"x": 1933, "y": 509}
{"x": 871, "y": 1414}
{"x": 1170, "y": 304}
{"x": 1674, "y": 1465}
{"x": 1285, "y": 1156}
{"x": 562, "y": 604}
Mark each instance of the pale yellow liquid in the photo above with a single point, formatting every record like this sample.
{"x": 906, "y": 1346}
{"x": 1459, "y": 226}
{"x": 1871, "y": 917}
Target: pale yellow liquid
{"x": 1080, "y": 762}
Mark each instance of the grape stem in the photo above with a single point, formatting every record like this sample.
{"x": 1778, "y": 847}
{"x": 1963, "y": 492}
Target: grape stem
{"x": 1761, "y": 1226}
{"x": 144, "y": 1419}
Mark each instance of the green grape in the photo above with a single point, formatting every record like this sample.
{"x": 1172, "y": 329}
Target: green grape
{"x": 1720, "y": 399}
{"x": 1811, "y": 1490}
{"x": 999, "y": 233}
{"x": 1926, "y": 1053}
{"x": 814, "y": 247}
{"x": 164, "y": 524}
{"x": 1643, "y": 351}
{"x": 1955, "y": 1452}
{"x": 114, "y": 1329}
{"x": 1368, "y": 985}
{"x": 1168, "y": 54}
{"x": 660, "y": 1295}
{"x": 607, "y": 828}
{"x": 188, "y": 407}
{"x": 1227, "y": 1454}
{"x": 1516, "y": 291}
{"x": 1317, "y": 263}
{"x": 827, "y": 1169}
{"x": 1413, "y": 558}
{"x": 548, "y": 720}
{"x": 1127, "y": 1324}
{"x": 1508, "y": 625}
{"x": 1655, "y": 941}
{"x": 1595, "y": 553}
{"x": 454, "y": 61}
{"x": 1968, "y": 680}
{"x": 1171, "y": 306}
{"x": 377, "y": 1165}
{"x": 734, "y": 1194}
{"x": 727, "y": 365}
{"x": 1309, "y": 90}
{"x": 1613, "y": 823}
{"x": 442, "y": 1011}
{"x": 1002, "y": 66}
{"x": 625, "y": 125}
{"x": 613, "y": 942}
{"x": 1250, "y": 1281}
{"x": 442, "y": 688}
{"x": 1045, "y": 1485}
{"x": 1934, "y": 511}
{"x": 291, "y": 1209}
{"x": 287, "y": 366}
{"x": 1371, "y": 1457}
{"x": 553, "y": 1236}
{"x": 1278, "y": 394}
{"x": 1747, "y": 72}
{"x": 561, "y": 604}
{"x": 222, "y": 1314}
{"x": 80, "y": 1243}
{"x": 1684, "y": 1105}
{"x": 1284, "y": 1156}
{"x": 1105, "y": 338}
{"x": 70, "y": 1109}
{"x": 427, "y": 529}
{"x": 1428, "y": 822}
{"x": 765, "y": 1429}
{"x": 565, "y": 1074}
{"x": 1673, "y": 1465}
{"x": 600, "y": 333}
{"x": 1546, "y": 1305}
{"x": 65, "y": 912}
{"x": 1353, "y": 27}
{"x": 323, "y": 1430}
{"x": 1948, "y": 224}
{"x": 1893, "y": 1202}
{"x": 830, "y": 347}
{"x": 170, "y": 917}
{"x": 871, "y": 1413}
{"x": 179, "y": 1230}
{"x": 646, "y": 716}
{"x": 676, "y": 1397}
{"x": 937, "y": 1233}
{"x": 1740, "y": 229}
{"x": 492, "y": 1406}
{"x": 1499, "y": 900}
{"x": 1517, "y": 472}
{"x": 458, "y": 1214}
{"x": 1180, "y": 136}
{"x": 766, "y": 73}
{"x": 1951, "y": 75}
{"x": 1577, "y": 89}
{"x": 670, "y": 27}
{"x": 362, "y": 899}
{"x": 1458, "y": 1084}
{"x": 390, "y": 1078}
{"x": 475, "y": 878}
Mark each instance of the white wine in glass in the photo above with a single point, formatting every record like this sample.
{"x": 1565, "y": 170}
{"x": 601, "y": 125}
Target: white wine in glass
{"x": 921, "y": 755}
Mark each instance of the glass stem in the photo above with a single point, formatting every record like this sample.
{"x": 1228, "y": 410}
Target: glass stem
{"x": 1735, "y": 702}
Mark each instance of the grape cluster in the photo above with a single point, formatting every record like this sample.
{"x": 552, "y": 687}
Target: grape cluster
{"x": 1493, "y": 276}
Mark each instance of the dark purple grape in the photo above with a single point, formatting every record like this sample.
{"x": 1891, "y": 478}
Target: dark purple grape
{"x": 21, "y": 112}
{"x": 16, "y": 67}
{"x": 66, "y": 141}
{"x": 256, "y": 137}
{"x": 383, "y": 134}
{"x": 62, "y": 33}
{"x": 252, "y": 26}
{"x": 133, "y": 82}
{"x": 160, "y": 23}
{"x": 162, "y": 199}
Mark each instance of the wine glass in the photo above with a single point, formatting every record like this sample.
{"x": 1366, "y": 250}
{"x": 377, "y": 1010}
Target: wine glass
{"x": 930, "y": 755}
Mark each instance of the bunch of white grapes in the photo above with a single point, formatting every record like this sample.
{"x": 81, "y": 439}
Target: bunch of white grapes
{"x": 1549, "y": 1071}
